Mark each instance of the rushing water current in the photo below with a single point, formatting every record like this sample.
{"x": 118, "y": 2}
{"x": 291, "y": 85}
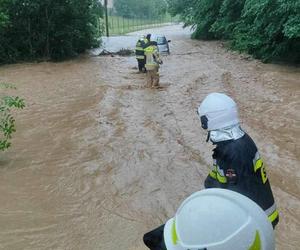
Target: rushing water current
{"x": 98, "y": 159}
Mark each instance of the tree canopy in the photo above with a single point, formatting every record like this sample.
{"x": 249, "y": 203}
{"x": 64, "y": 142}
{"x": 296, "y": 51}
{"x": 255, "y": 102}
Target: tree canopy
{"x": 267, "y": 29}
{"x": 54, "y": 29}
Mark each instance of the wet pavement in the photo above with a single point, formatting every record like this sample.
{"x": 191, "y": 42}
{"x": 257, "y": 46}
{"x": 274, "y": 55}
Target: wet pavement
{"x": 99, "y": 159}
{"x": 114, "y": 44}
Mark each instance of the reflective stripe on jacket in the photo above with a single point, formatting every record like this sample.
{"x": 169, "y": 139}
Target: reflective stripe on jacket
{"x": 238, "y": 166}
{"x": 152, "y": 57}
{"x": 139, "y": 49}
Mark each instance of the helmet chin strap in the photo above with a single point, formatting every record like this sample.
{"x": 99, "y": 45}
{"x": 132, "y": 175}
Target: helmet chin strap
{"x": 208, "y": 136}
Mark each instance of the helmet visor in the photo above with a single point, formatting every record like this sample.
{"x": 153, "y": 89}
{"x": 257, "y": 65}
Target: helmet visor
{"x": 203, "y": 120}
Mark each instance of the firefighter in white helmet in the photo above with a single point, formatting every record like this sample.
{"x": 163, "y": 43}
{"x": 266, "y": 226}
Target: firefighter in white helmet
{"x": 237, "y": 165}
{"x": 215, "y": 219}
{"x": 219, "y": 219}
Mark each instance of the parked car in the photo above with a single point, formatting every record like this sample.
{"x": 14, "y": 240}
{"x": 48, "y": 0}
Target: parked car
{"x": 162, "y": 43}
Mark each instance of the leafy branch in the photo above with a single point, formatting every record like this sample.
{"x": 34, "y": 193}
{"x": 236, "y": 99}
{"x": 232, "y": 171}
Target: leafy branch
{"x": 7, "y": 121}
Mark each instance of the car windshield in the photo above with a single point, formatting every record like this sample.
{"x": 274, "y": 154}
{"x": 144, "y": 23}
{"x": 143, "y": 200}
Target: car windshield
{"x": 161, "y": 40}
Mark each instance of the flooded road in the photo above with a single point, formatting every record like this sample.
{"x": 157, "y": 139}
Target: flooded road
{"x": 98, "y": 159}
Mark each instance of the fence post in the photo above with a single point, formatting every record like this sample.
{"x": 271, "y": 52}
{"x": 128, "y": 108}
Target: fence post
{"x": 106, "y": 18}
{"x": 128, "y": 25}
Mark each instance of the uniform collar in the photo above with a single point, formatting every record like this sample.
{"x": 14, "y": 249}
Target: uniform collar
{"x": 230, "y": 133}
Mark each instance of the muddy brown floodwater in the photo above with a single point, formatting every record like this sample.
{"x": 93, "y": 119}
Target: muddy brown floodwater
{"x": 98, "y": 159}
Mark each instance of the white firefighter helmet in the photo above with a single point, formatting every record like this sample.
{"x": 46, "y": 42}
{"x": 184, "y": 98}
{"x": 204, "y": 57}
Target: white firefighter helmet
{"x": 219, "y": 219}
{"x": 218, "y": 111}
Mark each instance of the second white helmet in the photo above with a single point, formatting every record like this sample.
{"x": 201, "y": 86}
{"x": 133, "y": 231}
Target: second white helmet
{"x": 218, "y": 111}
{"x": 219, "y": 219}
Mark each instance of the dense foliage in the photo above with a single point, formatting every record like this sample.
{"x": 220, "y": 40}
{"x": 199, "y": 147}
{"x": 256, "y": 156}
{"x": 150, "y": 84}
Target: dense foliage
{"x": 268, "y": 29}
{"x": 55, "y": 29}
{"x": 140, "y": 8}
{"x": 7, "y": 121}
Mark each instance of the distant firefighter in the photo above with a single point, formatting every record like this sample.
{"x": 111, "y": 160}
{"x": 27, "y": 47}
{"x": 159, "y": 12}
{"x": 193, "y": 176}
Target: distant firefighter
{"x": 140, "y": 54}
{"x": 152, "y": 64}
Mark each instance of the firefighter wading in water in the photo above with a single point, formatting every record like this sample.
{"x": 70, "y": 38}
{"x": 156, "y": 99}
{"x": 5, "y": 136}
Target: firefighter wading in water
{"x": 140, "y": 54}
{"x": 237, "y": 164}
{"x": 152, "y": 64}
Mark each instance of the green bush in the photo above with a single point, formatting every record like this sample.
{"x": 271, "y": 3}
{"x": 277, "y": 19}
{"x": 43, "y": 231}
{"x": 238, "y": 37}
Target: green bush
{"x": 7, "y": 121}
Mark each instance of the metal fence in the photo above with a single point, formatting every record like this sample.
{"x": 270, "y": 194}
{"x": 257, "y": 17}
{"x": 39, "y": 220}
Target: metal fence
{"x": 121, "y": 25}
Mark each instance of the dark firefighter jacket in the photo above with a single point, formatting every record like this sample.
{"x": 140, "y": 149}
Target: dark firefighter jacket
{"x": 238, "y": 167}
{"x": 139, "y": 49}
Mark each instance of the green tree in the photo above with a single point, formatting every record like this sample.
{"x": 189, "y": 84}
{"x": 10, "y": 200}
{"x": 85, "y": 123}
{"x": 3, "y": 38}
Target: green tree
{"x": 201, "y": 14}
{"x": 267, "y": 29}
{"x": 53, "y": 29}
{"x": 186, "y": 10}
{"x": 206, "y": 14}
{"x": 228, "y": 17}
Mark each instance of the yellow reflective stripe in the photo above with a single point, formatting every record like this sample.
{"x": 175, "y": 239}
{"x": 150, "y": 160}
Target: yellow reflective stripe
{"x": 174, "y": 234}
{"x": 258, "y": 165}
{"x": 151, "y": 64}
{"x": 256, "y": 245}
{"x": 139, "y": 48}
{"x": 263, "y": 174}
{"x": 213, "y": 174}
{"x": 273, "y": 216}
{"x": 149, "y": 49}
{"x": 221, "y": 178}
